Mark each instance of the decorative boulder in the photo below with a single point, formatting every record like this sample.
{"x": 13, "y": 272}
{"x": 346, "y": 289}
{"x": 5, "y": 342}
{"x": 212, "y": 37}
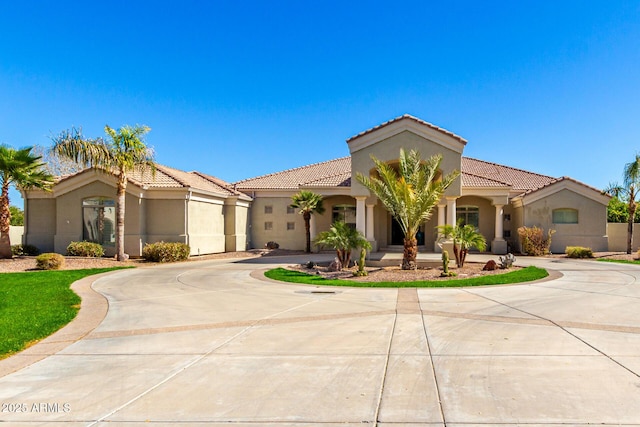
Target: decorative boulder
{"x": 335, "y": 265}
{"x": 490, "y": 266}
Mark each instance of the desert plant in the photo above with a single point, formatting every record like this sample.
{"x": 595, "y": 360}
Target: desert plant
{"x": 343, "y": 239}
{"x": 445, "y": 265}
{"x": 360, "y": 272}
{"x": 409, "y": 192}
{"x": 166, "y": 252}
{"x": 507, "y": 261}
{"x": 308, "y": 203}
{"x": 28, "y": 250}
{"x": 49, "y": 261}
{"x": 534, "y": 242}
{"x": 86, "y": 249}
{"x": 125, "y": 153}
{"x": 578, "y": 252}
{"x": 464, "y": 238}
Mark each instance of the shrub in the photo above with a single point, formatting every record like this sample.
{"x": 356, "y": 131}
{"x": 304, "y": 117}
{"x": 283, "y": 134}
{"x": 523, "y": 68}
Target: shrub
{"x": 533, "y": 241}
{"x": 49, "y": 261}
{"x": 166, "y": 252}
{"x": 578, "y": 252}
{"x": 87, "y": 249}
{"x": 28, "y": 250}
{"x": 272, "y": 245}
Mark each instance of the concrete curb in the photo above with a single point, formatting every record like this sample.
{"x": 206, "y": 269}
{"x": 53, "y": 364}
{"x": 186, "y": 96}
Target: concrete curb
{"x": 93, "y": 310}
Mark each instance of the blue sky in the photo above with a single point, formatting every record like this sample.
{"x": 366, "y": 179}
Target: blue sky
{"x": 242, "y": 88}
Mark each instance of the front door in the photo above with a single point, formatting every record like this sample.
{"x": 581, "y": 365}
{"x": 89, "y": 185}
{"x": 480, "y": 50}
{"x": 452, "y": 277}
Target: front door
{"x": 397, "y": 236}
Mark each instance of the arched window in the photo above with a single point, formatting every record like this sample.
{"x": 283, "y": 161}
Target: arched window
{"x": 99, "y": 220}
{"x": 468, "y": 215}
{"x": 565, "y": 216}
{"x": 346, "y": 213}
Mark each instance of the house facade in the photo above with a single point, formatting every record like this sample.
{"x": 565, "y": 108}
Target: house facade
{"x": 215, "y": 216}
{"x": 170, "y": 205}
{"x": 496, "y": 199}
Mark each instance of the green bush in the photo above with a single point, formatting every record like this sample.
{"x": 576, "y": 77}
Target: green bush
{"x": 86, "y": 249}
{"x": 578, "y": 252}
{"x": 49, "y": 261}
{"x": 28, "y": 250}
{"x": 166, "y": 252}
{"x": 533, "y": 241}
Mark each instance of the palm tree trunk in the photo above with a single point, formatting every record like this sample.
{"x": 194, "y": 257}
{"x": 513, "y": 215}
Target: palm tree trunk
{"x": 5, "y": 221}
{"x": 121, "y": 193}
{"x": 410, "y": 253}
{"x": 632, "y": 214}
{"x": 307, "y": 227}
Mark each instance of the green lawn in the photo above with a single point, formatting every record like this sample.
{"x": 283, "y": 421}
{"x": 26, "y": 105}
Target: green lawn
{"x": 34, "y": 305}
{"x": 516, "y": 276}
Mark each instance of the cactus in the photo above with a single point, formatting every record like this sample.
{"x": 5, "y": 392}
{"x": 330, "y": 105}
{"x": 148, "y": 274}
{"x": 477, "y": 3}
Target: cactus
{"x": 361, "y": 271}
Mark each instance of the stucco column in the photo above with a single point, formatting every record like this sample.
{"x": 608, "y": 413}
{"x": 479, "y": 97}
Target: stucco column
{"x": 441, "y": 221}
{"x": 360, "y": 214}
{"x": 499, "y": 245}
{"x": 451, "y": 210}
{"x": 369, "y": 220}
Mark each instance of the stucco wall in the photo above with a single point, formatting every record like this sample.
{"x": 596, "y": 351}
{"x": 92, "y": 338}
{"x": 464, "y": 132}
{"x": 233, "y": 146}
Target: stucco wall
{"x": 40, "y": 219}
{"x": 591, "y": 230}
{"x": 287, "y": 239}
{"x": 206, "y": 227}
{"x": 617, "y": 233}
{"x": 388, "y": 150}
{"x": 165, "y": 220}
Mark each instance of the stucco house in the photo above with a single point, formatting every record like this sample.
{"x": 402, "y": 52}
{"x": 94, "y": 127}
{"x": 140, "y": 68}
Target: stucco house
{"x": 214, "y": 216}
{"x": 172, "y": 205}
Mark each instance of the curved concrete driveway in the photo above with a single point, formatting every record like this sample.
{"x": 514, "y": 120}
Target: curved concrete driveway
{"x": 208, "y": 344}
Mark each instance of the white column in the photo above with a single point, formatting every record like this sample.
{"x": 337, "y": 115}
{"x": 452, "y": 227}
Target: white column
{"x": 499, "y": 245}
{"x": 441, "y": 215}
{"x": 451, "y": 210}
{"x": 360, "y": 214}
{"x": 499, "y": 226}
{"x": 369, "y": 219}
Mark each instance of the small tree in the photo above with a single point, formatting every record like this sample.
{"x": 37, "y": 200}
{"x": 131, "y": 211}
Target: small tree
{"x": 308, "y": 203}
{"x": 409, "y": 194}
{"x": 123, "y": 153}
{"x": 17, "y": 215}
{"x": 343, "y": 239}
{"x": 464, "y": 238}
{"x": 23, "y": 169}
{"x": 628, "y": 192}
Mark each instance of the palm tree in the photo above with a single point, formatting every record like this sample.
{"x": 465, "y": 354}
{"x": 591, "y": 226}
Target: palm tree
{"x": 628, "y": 191}
{"x": 464, "y": 238}
{"x": 343, "y": 239}
{"x": 309, "y": 203}
{"x": 123, "y": 153}
{"x": 409, "y": 194}
{"x": 23, "y": 169}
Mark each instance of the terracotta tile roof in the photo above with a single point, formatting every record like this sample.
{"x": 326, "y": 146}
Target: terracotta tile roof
{"x": 332, "y": 173}
{"x": 337, "y": 173}
{"x": 166, "y": 177}
{"x": 415, "y": 119}
{"x": 518, "y": 179}
{"x": 563, "y": 178}
{"x": 470, "y": 180}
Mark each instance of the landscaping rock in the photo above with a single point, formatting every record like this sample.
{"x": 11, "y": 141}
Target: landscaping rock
{"x": 490, "y": 266}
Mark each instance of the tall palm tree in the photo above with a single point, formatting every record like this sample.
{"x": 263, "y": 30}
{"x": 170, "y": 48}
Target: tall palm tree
{"x": 123, "y": 153}
{"x": 25, "y": 170}
{"x": 343, "y": 239}
{"x": 308, "y": 203}
{"x": 409, "y": 194}
{"x": 464, "y": 238}
{"x": 628, "y": 191}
